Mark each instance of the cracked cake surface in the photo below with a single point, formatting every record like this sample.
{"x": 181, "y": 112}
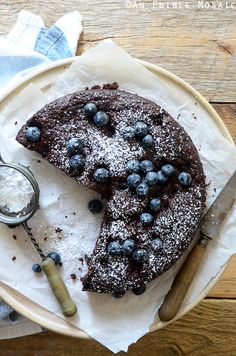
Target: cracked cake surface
{"x": 156, "y": 213}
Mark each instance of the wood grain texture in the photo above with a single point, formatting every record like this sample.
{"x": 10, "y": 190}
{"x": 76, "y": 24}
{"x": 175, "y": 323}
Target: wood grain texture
{"x": 226, "y": 286}
{"x": 228, "y": 114}
{"x": 207, "y": 330}
{"x": 197, "y": 44}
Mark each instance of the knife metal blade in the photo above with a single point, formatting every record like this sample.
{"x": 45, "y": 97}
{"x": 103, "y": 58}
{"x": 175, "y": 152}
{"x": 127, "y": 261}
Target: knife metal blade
{"x": 216, "y": 214}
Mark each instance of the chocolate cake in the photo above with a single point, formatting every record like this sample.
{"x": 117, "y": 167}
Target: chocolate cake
{"x": 142, "y": 161}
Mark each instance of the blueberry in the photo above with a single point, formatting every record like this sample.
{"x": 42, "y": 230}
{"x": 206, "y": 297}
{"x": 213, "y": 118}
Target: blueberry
{"x": 95, "y": 206}
{"x": 101, "y": 119}
{"x": 185, "y": 179}
{"x": 101, "y": 175}
{"x": 74, "y": 145}
{"x": 156, "y": 244}
{"x": 55, "y": 257}
{"x": 114, "y": 248}
{"x": 33, "y": 133}
{"x": 90, "y": 109}
{"x": 151, "y": 178}
{"x": 128, "y": 247}
{"x": 132, "y": 166}
{"x": 14, "y": 316}
{"x": 161, "y": 178}
{"x": 123, "y": 186}
{"x": 128, "y": 133}
{"x": 168, "y": 170}
{"x": 146, "y": 166}
{"x": 133, "y": 180}
{"x": 140, "y": 255}
{"x": 155, "y": 204}
{"x": 146, "y": 219}
{"x": 118, "y": 294}
{"x": 139, "y": 290}
{"x": 76, "y": 161}
{"x": 141, "y": 129}
{"x": 36, "y": 268}
{"x": 147, "y": 141}
{"x": 142, "y": 189}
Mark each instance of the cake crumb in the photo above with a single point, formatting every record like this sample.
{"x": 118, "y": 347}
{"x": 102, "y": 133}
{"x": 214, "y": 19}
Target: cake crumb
{"x": 13, "y": 258}
{"x": 73, "y": 276}
{"x": 45, "y": 238}
{"x": 14, "y": 237}
{"x": 58, "y": 230}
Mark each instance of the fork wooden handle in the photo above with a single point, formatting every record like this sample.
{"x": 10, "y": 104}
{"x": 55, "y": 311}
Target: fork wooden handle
{"x": 58, "y": 287}
{"x": 174, "y": 299}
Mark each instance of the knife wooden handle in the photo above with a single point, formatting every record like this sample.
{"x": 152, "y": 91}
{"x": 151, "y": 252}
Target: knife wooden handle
{"x": 174, "y": 299}
{"x": 58, "y": 287}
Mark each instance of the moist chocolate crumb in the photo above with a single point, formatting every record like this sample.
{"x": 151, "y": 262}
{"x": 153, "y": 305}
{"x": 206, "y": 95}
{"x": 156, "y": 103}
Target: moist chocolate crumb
{"x": 14, "y": 237}
{"x": 66, "y": 216}
{"x": 16, "y": 122}
{"x": 45, "y": 238}
{"x": 13, "y": 258}
{"x": 58, "y": 230}
{"x": 81, "y": 260}
{"x": 110, "y": 86}
{"x": 73, "y": 276}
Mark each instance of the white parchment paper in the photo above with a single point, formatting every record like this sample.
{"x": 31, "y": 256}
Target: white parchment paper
{"x": 114, "y": 323}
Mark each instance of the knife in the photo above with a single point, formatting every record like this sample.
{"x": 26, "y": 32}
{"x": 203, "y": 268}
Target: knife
{"x": 209, "y": 228}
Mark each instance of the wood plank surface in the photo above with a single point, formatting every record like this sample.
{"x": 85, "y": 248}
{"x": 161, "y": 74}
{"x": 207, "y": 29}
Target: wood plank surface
{"x": 197, "y": 44}
{"x": 226, "y": 286}
{"x": 208, "y": 330}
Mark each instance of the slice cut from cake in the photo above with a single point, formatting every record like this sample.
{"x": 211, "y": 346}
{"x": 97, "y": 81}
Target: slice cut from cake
{"x": 135, "y": 154}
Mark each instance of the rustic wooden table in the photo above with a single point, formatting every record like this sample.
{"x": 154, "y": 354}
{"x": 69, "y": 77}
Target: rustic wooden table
{"x": 199, "y": 45}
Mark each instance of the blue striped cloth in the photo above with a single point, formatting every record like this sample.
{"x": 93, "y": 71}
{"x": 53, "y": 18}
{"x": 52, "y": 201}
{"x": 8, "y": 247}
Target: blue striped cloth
{"x": 29, "y": 45}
